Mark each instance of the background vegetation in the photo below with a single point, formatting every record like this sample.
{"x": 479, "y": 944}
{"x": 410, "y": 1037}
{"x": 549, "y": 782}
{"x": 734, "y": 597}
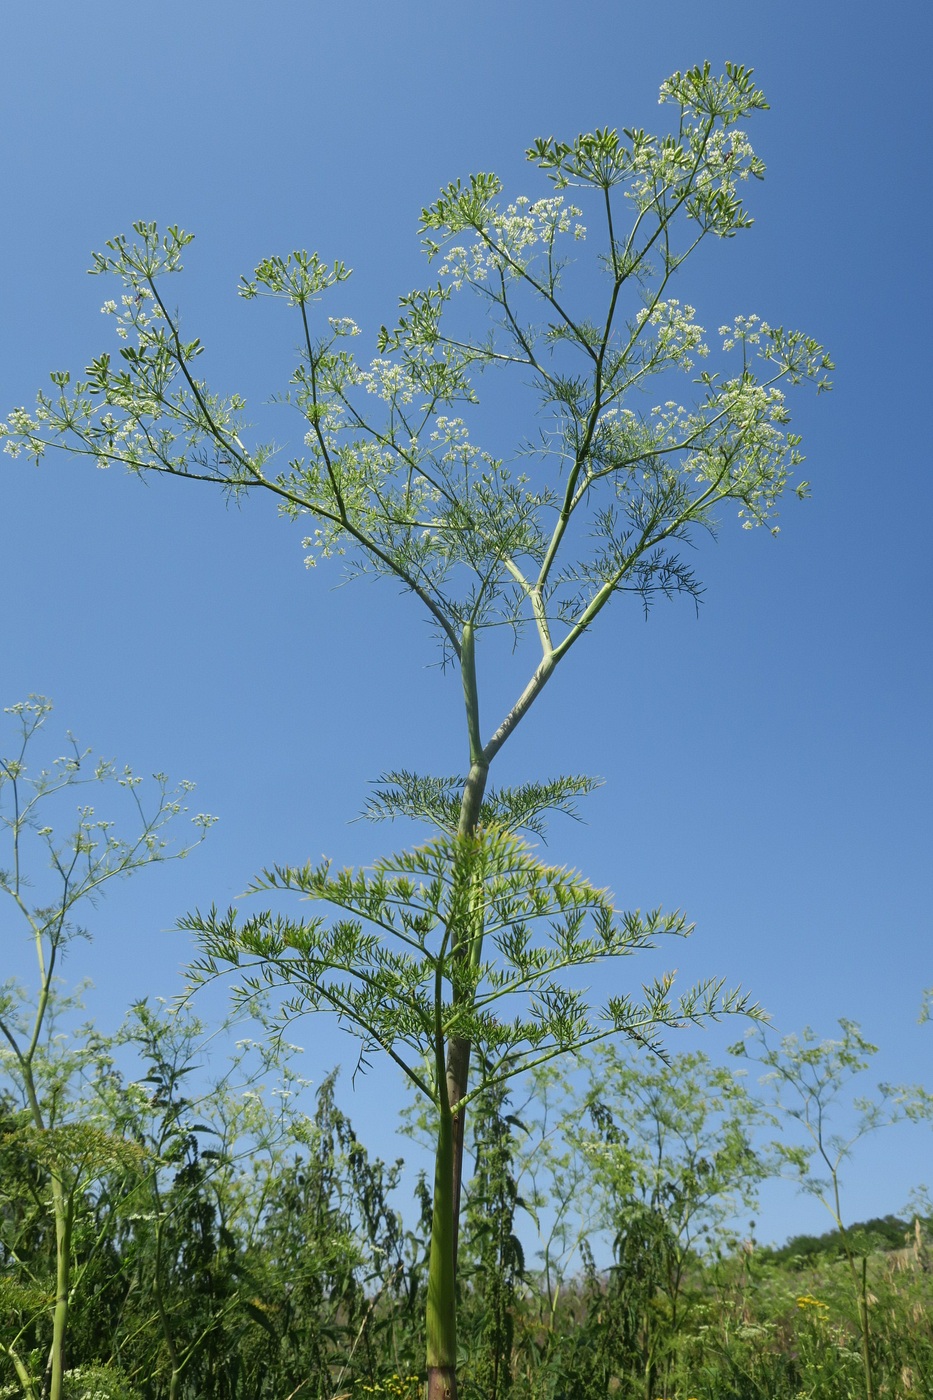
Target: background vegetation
{"x": 240, "y": 1247}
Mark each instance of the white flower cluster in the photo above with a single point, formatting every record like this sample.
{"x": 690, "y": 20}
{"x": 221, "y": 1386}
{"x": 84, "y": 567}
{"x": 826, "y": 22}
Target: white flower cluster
{"x": 668, "y": 90}
{"x": 677, "y": 333}
{"x": 757, "y": 416}
{"x": 453, "y": 439}
{"x": 513, "y": 232}
{"x": 366, "y": 472}
{"x": 449, "y": 429}
{"x": 465, "y": 265}
{"x": 389, "y": 381}
{"x": 94, "y": 1383}
{"x": 729, "y": 157}
{"x": 725, "y": 157}
{"x": 675, "y": 422}
{"x": 524, "y": 224}
{"x": 747, "y": 330}
{"x": 330, "y": 417}
{"x": 23, "y": 425}
{"x": 343, "y": 325}
{"x": 657, "y": 166}
{"x": 135, "y": 315}
{"x": 320, "y": 545}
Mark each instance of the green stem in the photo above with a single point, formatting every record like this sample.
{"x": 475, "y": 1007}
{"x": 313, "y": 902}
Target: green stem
{"x": 62, "y": 1210}
{"x": 441, "y": 1308}
{"x": 168, "y": 1337}
{"x": 458, "y": 1070}
{"x": 30, "y": 1386}
{"x": 860, "y": 1286}
{"x": 63, "y": 1221}
{"x": 452, "y": 1084}
{"x": 475, "y": 787}
{"x": 458, "y": 1051}
{"x": 866, "y": 1337}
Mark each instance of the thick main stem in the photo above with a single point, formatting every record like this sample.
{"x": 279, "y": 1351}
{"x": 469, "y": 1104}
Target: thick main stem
{"x": 458, "y": 1071}
{"x": 452, "y": 1086}
{"x": 466, "y": 943}
{"x": 441, "y": 1309}
{"x": 458, "y": 1050}
{"x": 63, "y": 1219}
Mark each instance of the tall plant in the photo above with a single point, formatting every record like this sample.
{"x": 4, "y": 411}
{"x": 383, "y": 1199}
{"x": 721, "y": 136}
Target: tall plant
{"x": 606, "y": 495}
{"x": 64, "y": 1134}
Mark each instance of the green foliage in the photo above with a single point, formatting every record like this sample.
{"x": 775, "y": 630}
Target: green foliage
{"x": 655, "y": 1159}
{"x": 437, "y": 801}
{"x": 90, "y": 854}
{"x": 806, "y": 1079}
{"x": 394, "y": 971}
{"x": 264, "y": 1247}
{"x": 496, "y": 1259}
{"x": 244, "y": 1250}
{"x": 866, "y": 1236}
{"x": 58, "y": 1134}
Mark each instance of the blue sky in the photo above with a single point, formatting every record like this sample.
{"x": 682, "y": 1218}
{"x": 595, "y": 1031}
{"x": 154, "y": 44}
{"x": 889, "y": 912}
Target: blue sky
{"x": 766, "y": 763}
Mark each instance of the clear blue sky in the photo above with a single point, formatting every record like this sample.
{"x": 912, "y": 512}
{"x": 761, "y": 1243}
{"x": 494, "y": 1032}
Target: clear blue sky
{"x": 767, "y": 763}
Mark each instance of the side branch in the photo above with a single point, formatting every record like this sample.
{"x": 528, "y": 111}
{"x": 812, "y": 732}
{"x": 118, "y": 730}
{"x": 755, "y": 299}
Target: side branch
{"x": 522, "y": 705}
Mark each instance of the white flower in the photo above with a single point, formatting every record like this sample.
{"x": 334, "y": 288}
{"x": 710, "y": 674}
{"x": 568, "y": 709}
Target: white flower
{"x": 343, "y": 325}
